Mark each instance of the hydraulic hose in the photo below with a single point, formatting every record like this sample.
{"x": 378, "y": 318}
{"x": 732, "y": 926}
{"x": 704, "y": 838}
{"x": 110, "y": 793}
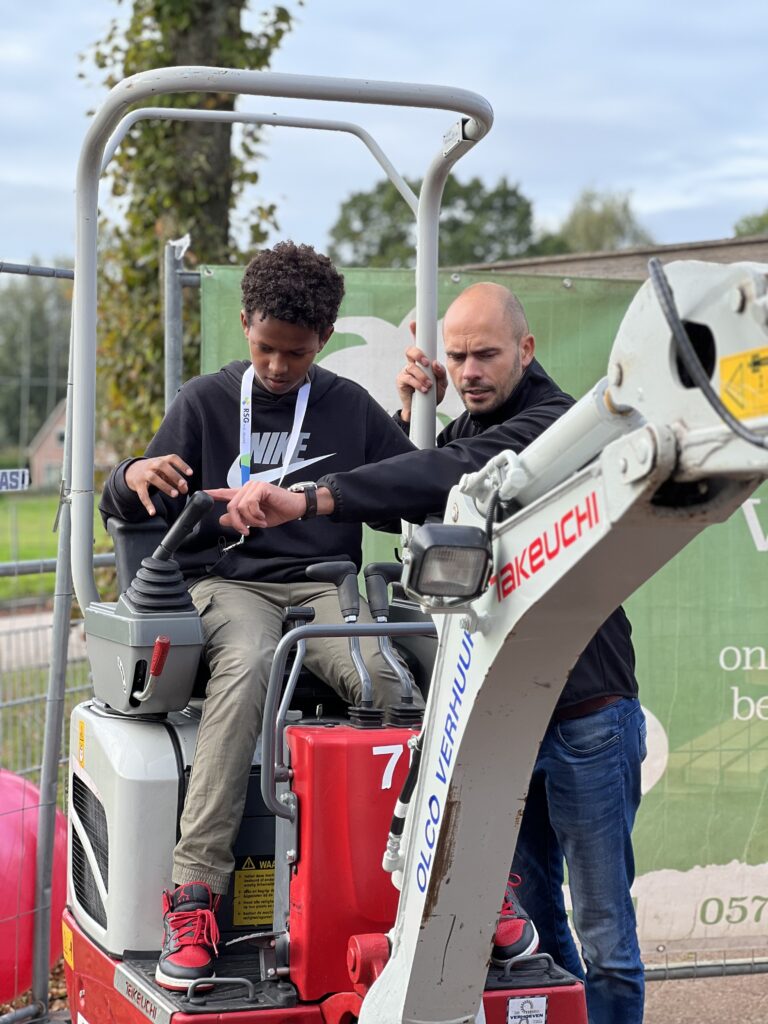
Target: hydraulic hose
{"x": 689, "y": 358}
{"x": 392, "y": 860}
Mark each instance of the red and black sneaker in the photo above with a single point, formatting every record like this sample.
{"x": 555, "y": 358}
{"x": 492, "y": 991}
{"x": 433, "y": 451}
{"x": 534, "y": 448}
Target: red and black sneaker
{"x": 516, "y": 935}
{"x": 190, "y": 934}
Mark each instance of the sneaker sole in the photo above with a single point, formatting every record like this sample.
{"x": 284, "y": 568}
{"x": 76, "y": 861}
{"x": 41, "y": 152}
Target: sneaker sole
{"x": 532, "y": 947}
{"x": 181, "y": 984}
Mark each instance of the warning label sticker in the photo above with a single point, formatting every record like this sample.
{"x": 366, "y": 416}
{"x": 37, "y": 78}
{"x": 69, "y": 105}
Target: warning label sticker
{"x": 68, "y": 945}
{"x": 252, "y": 905}
{"x": 744, "y": 383}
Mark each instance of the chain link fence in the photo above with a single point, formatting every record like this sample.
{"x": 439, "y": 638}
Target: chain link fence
{"x": 25, "y": 655}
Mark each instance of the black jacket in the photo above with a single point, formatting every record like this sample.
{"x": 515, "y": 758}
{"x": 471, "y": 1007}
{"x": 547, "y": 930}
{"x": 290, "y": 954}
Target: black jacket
{"x": 417, "y": 485}
{"x": 343, "y": 428}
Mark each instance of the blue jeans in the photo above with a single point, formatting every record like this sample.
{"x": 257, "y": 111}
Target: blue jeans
{"x": 580, "y": 809}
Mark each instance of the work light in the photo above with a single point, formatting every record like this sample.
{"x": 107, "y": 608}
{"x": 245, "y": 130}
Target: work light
{"x": 446, "y": 565}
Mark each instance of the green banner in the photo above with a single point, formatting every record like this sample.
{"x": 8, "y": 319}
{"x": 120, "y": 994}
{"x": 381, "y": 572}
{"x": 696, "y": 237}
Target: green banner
{"x": 701, "y": 839}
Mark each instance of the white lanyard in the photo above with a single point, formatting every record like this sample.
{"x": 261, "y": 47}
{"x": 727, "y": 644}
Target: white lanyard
{"x": 246, "y": 401}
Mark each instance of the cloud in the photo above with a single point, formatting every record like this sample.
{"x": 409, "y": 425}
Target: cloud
{"x": 602, "y": 95}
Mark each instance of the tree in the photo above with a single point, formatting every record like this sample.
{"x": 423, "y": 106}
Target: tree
{"x": 171, "y": 178}
{"x": 548, "y": 243}
{"x": 602, "y": 221}
{"x": 752, "y": 224}
{"x": 34, "y": 344}
{"x": 477, "y": 225}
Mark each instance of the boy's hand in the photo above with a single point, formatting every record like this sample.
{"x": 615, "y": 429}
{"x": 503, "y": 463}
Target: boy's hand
{"x": 165, "y": 472}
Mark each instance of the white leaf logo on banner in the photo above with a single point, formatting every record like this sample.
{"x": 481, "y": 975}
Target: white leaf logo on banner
{"x": 657, "y": 743}
{"x": 376, "y": 364}
{"x": 750, "y": 514}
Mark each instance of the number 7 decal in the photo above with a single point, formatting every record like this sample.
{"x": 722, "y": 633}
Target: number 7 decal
{"x": 394, "y": 751}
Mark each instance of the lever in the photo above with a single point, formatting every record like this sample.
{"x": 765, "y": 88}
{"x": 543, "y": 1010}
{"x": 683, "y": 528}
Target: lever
{"x": 296, "y": 613}
{"x": 193, "y": 512}
{"x": 343, "y": 575}
{"x": 378, "y": 576}
{"x": 159, "y": 586}
{"x": 156, "y": 666}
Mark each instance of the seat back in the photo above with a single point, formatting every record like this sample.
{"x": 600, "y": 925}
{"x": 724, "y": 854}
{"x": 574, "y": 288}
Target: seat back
{"x": 132, "y": 542}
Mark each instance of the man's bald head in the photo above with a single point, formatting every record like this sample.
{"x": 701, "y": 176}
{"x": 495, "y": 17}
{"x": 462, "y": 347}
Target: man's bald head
{"x": 491, "y": 303}
{"x": 487, "y": 345}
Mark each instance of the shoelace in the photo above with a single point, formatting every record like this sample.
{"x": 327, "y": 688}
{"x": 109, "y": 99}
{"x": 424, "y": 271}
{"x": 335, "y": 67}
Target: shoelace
{"x": 509, "y": 907}
{"x": 195, "y": 928}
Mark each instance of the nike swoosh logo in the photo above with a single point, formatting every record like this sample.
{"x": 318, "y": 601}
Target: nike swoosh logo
{"x": 269, "y": 475}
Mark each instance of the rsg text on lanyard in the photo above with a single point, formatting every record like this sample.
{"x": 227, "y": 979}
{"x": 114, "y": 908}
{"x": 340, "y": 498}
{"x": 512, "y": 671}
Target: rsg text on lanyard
{"x": 246, "y": 412}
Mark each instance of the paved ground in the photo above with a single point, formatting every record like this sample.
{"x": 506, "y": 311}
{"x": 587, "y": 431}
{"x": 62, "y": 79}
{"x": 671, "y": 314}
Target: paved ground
{"x": 25, "y": 640}
{"x": 736, "y": 1000}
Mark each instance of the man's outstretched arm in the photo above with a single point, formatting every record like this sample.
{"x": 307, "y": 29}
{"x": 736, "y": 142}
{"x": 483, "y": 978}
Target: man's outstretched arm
{"x": 260, "y": 504}
{"x": 410, "y": 486}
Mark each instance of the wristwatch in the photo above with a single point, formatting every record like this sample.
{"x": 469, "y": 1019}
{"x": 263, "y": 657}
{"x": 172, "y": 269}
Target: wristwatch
{"x": 309, "y": 489}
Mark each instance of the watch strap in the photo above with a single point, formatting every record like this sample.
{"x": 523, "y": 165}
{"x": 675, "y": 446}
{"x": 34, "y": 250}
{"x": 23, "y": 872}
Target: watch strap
{"x": 310, "y": 493}
{"x": 309, "y": 490}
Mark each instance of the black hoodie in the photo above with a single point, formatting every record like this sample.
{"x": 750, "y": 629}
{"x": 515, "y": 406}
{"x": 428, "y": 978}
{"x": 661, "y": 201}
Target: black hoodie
{"x": 343, "y": 428}
{"x": 416, "y": 485}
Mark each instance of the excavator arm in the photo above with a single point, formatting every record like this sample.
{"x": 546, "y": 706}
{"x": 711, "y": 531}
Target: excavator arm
{"x": 669, "y": 443}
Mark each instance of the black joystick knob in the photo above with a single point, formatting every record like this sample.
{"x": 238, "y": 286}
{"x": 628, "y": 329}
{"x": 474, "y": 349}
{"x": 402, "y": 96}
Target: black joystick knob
{"x": 343, "y": 575}
{"x": 159, "y": 586}
{"x": 378, "y": 576}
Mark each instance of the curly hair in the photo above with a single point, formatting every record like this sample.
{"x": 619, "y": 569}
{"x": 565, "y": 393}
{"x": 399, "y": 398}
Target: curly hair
{"x": 293, "y": 283}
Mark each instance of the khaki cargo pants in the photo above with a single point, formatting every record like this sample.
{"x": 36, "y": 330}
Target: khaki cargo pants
{"x": 242, "y": 625}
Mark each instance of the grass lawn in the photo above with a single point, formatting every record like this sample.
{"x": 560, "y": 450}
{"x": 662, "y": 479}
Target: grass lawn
{"x": 26, "y": 533}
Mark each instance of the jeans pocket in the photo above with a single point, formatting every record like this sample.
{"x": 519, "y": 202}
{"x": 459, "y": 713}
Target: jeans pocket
{"x": 591, "y": 734}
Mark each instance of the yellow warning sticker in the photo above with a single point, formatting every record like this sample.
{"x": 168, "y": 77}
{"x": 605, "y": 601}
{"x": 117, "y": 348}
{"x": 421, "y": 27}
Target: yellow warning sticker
{"x": 744, "y": 383}
{"x": 81, "y": 744}
{"x": 252, "y": 905}
{"x": 68, "y": 945}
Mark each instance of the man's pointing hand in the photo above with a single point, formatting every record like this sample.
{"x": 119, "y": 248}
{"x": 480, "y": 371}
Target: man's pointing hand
{"x": 258, "y": 504}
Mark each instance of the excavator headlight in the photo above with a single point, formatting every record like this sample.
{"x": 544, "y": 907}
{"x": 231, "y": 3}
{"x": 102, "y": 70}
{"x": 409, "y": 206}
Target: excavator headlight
{"x": 448, "y": 562}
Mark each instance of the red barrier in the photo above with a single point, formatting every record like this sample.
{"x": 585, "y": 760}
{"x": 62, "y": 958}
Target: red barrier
{"x": 19, "y": 803}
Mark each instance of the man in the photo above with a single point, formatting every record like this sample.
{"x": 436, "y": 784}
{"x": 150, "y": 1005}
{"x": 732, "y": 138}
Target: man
{"x": 269, "y": 418}
{"x": 585, "y": 787}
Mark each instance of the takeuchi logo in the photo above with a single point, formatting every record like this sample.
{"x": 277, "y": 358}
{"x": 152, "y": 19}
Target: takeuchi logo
{"x": 547, "y": 546}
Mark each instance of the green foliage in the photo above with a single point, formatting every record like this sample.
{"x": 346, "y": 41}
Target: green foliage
{"x": 753, "y": 224}
{"x": 602, "y": 222}
{"x": 171, "y": 178}
{"x": 477, "y": 225}
{"x": 549, "y": 243}
{"x": 34, "y": 343}
{"x": 480, "y": 225}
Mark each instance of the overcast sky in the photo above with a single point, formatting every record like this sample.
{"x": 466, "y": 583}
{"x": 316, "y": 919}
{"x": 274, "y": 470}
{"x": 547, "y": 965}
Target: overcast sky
{"x": 663, "y": 99}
